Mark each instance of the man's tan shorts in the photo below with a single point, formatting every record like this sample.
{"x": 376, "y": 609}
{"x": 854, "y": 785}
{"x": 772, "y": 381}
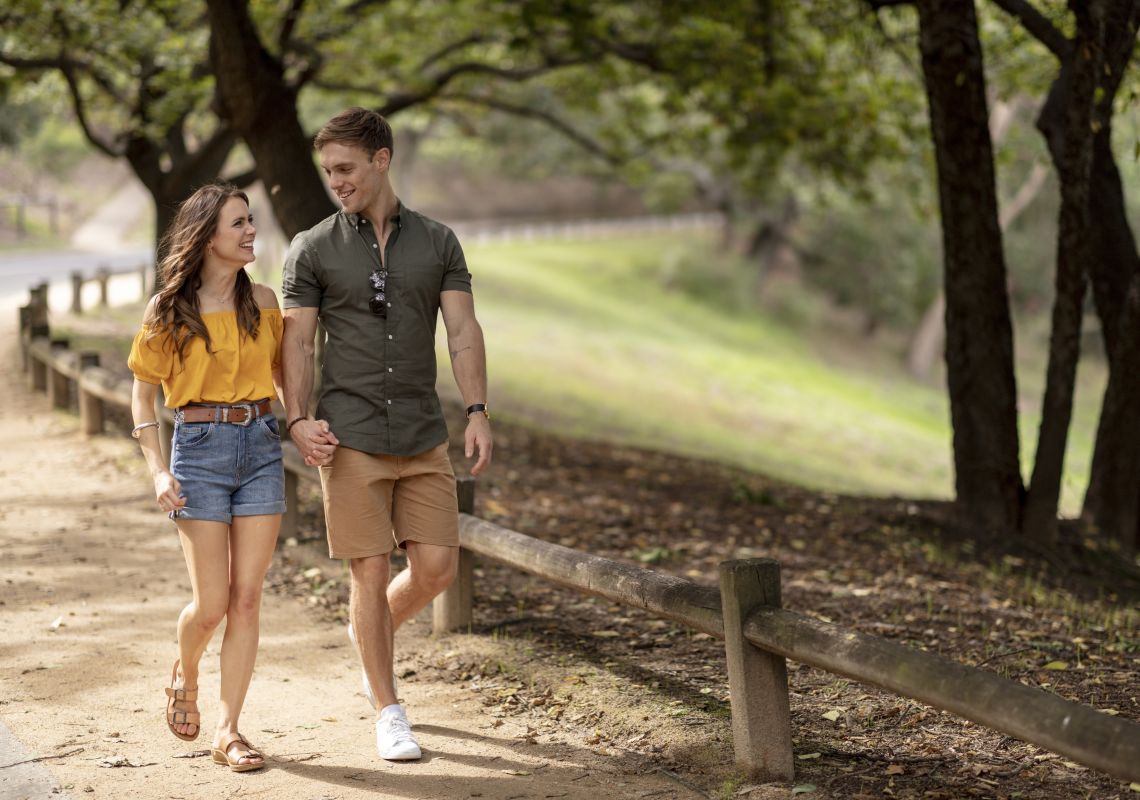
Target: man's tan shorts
{"x": 374, "y": 503}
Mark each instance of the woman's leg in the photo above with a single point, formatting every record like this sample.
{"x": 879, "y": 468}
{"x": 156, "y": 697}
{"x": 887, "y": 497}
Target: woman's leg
{"x": 252, "y": 540}
{"x": 205, "y": 546}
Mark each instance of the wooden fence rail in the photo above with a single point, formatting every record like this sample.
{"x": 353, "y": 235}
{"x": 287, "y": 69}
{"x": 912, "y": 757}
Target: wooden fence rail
{"x": 759, "y": 635}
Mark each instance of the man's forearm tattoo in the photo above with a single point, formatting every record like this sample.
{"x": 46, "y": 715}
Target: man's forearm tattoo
{"x": 455, "y": 353}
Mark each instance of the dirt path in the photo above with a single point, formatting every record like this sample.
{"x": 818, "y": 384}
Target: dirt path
{"x": 92, "y": 582}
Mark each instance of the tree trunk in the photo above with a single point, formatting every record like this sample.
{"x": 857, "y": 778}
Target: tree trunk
{"x": 262, "y": 108}
{"x": 979, "y": 334}
{"x": 929, "y": 337}
{"x": 1113, "y": 271}
{"x": 1076, "y": 114}
{"x": 1114, "y": 485}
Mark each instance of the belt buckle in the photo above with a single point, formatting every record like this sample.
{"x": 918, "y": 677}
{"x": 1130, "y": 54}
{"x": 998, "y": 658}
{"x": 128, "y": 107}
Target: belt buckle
{"x": 248, "y": 413}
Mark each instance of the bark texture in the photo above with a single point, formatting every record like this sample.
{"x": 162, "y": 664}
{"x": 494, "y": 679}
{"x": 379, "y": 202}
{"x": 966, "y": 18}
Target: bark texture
{"x": 262, "y": 107}
{"x": 1112, "y": 501}
{"x": 979, "y": 334}
{"x": 1075, "y": 143}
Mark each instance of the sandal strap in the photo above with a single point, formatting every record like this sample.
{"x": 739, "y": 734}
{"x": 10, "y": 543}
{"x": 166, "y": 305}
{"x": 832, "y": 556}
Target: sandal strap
{"x": 249, "y": 747}
{"x": 189, "y": 695}
{"x": 187, "y": 717}
{"x": 228, "y": 740}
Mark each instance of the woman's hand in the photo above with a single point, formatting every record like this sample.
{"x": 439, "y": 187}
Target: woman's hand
{"x": 168, "y": 491}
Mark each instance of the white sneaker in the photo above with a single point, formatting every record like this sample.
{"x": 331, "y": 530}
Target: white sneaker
{"x": 394, "y": 739}
{"x": 364, "y": 675}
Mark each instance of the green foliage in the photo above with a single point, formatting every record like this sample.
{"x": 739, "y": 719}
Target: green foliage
{"x": 135, "y": 68}
{"x": 882, "y": 256}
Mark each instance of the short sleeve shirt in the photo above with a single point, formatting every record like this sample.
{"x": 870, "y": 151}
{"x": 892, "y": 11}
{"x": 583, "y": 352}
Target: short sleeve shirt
{"x": 379, "y": 374}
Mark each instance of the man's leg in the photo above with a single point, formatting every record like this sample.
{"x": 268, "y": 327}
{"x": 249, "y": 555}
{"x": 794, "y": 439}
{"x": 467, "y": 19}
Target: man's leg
{"x": 372, "y": 624}
{"x": 431, "y": 569}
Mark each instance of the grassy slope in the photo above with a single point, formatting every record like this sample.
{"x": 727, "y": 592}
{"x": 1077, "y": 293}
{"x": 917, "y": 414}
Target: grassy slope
{"x": 583, "y": 339}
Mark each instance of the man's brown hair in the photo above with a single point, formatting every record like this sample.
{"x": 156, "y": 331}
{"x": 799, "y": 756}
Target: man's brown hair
{"x": 357, "y": 126}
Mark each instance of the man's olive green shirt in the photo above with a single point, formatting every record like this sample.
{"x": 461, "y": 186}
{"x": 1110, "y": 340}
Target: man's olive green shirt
{"x": 378, "y": 381}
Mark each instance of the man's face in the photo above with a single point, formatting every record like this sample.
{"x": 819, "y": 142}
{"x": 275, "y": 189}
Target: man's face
{"x": 355, "y": 176}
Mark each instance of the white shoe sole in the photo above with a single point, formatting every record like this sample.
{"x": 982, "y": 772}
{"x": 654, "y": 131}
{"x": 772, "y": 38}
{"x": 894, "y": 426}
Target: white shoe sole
{"x": 364, "y": 675}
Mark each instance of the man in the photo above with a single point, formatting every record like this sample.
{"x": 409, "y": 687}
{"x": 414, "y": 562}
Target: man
{"x": 376, "y": 274}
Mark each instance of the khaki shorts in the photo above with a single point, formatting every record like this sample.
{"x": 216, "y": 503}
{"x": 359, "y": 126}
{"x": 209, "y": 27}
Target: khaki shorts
{"x": 374, "y": 503}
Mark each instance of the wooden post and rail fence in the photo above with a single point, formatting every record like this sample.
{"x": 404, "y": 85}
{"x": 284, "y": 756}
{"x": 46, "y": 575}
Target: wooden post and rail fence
{"x": 745, "y": 611}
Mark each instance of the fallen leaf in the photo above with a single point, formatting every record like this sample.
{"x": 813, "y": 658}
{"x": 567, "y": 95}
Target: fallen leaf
{"x": 1056, "y": 665}
{"x": 895, "y": 769}
{"x": 56, "y": 625}
{"x": 806, "y": 756}
{"x": 831, "y": 715}
{"x": 328, "y": 719}
{"x": 516, "y": 772}
{"x": 803, "y": 788}
{"x": 192, "y": 754}
{"x": 605, "y": 634}
{"x": 121, "y": 761}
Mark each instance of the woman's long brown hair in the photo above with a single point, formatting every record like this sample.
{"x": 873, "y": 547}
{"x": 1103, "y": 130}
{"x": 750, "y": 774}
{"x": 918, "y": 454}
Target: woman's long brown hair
{"x": 176, "y": 311}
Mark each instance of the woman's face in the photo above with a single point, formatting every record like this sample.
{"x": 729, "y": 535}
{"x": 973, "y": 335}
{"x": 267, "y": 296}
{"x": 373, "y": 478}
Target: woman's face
{"x": 233, "y": 240}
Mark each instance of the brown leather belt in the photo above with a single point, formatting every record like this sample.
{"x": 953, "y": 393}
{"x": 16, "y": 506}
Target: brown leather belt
{"x": 237, "y": 414}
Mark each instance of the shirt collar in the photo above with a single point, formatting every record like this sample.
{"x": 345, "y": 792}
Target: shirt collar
{"x": 395, "y": 217}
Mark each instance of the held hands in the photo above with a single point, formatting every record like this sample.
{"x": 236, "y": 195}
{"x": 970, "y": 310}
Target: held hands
{"x": 315, "y": 441}
{"x": 168, "y": 491}
{"x": 478, "y": 436}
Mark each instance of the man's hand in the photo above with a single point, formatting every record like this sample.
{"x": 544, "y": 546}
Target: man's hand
{"x": 315, "y": 441}
{"x": 478, "y": 436}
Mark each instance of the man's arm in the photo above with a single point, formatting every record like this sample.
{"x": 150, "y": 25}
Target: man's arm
{"x": 313, "y": 438}
{"x": 469, "y": 365}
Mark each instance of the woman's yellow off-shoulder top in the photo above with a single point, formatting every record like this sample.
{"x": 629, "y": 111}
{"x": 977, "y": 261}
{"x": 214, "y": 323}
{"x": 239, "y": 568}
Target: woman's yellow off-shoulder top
{"x": 239, "y": 370}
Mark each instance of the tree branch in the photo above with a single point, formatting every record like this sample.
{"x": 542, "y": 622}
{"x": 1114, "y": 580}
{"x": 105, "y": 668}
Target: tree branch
{"x": 288, "y": 25}
{"x": 81, "y": 115}
{"x": 1038, "y": 26}
{"x": 400, "y": 101}
{"x": 550, "y": 119}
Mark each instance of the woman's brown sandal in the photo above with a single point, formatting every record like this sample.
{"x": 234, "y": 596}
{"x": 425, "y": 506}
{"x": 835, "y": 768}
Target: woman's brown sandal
{"x": 176, "y": 716}
{"x": 220, "y": 754}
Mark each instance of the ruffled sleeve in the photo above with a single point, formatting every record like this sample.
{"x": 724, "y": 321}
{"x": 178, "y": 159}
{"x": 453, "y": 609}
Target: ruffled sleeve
{"x": 152, "y": 357}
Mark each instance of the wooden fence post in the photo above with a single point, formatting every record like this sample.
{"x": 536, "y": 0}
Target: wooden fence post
{"x": 76, "y": 292}
{"x": 451, "y": 609}
{"x": 103, "y": 275}
{"x": 289, "y": 519}
{"x": 90, "y": 406}
{"x": 58, "y": 385}
{"x": 25, "y": 338}
{"x": 757, "y": 680}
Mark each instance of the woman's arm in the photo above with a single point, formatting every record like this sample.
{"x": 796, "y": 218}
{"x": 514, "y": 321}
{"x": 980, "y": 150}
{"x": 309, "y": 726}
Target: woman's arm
{"x": 167, "y": 490}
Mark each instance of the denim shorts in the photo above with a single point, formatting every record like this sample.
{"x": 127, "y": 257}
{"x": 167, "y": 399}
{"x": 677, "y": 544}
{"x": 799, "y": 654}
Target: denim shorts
{"x": 228, "y": 470}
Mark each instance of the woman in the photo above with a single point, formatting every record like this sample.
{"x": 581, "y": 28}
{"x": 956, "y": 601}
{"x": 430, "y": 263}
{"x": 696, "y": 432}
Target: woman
{"x": 211, "y": 337}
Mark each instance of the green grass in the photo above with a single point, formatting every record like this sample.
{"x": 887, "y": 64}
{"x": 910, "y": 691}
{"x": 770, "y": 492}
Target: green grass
{"x": 584, "y": 339}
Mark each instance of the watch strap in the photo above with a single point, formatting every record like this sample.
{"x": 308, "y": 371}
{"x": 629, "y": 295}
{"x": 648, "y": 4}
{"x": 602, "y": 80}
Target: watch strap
{"x": 477, "y": 407}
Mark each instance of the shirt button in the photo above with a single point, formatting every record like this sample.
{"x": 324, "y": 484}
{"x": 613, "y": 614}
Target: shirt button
{"x": 389, "y": 402}
{"x": 389, "y": 336}
{"x": 389, "y": 305}
{"x": 373, "y": 246}
{"x": 389, "y": 369}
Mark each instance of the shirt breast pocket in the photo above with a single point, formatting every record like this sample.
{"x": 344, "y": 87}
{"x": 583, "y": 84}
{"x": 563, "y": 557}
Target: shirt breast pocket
{"x": 419, "y": 279}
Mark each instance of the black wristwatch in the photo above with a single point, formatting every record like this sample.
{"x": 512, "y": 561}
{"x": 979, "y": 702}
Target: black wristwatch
{"x": 474, "y": 408}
